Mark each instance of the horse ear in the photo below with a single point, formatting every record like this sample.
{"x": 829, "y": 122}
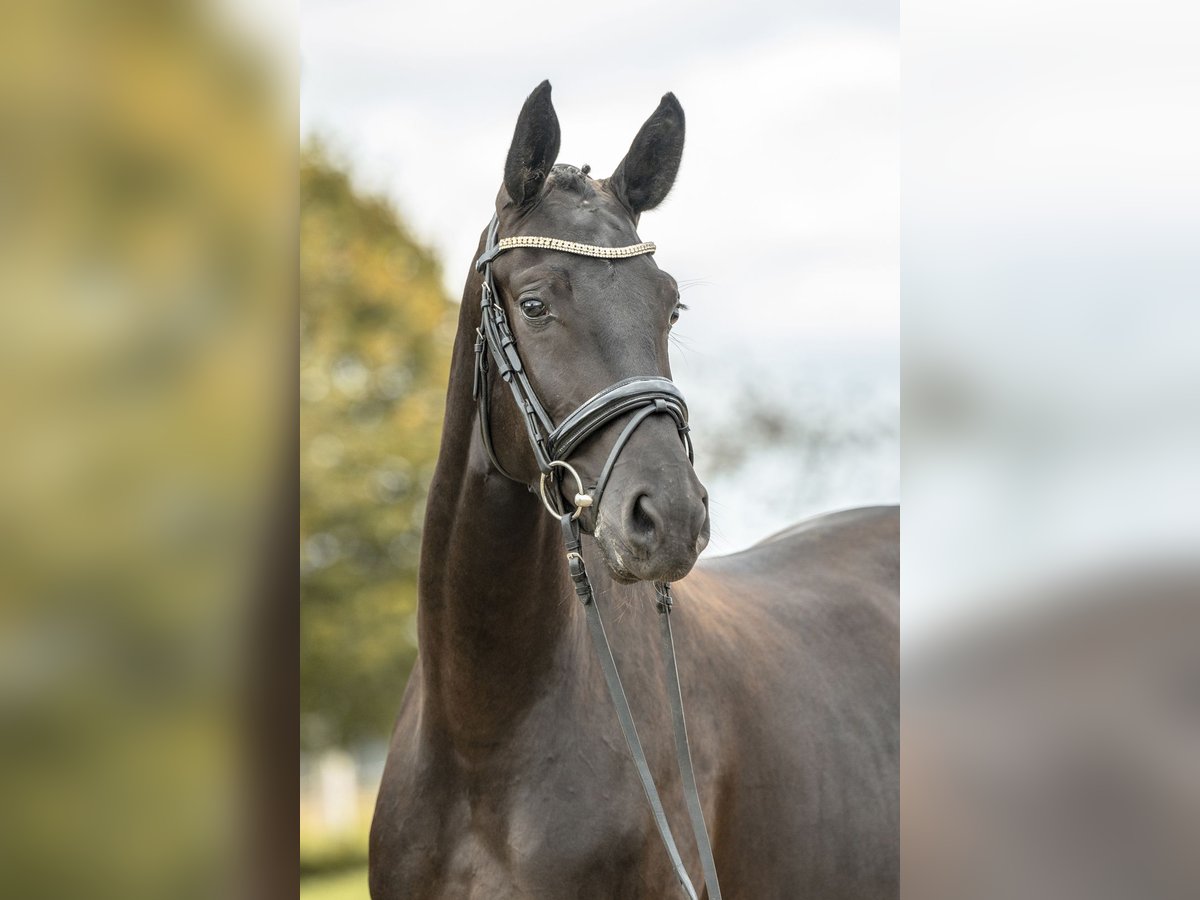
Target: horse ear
{"x": 534, "y": 147}
{"x": 646, "y": 174}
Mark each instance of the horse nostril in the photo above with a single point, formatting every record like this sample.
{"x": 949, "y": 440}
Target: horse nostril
{"x": 643, "y": 521}
{"x": 675, "y": 526}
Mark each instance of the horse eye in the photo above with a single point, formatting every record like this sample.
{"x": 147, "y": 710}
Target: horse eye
{"x": 679, "y": 307}
{"x": 533, "y": 309}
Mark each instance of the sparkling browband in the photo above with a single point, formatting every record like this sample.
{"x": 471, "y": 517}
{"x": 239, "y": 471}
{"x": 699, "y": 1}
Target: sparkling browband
{"x": 545, "y": 243}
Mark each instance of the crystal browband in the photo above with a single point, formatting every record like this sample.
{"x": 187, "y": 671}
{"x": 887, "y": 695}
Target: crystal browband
{"x": 545, "y": 243}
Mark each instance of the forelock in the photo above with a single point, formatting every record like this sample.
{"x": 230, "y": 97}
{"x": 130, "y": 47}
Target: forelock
{"x": 569, "y": 178}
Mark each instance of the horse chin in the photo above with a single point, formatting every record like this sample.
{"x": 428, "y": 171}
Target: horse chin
{"x": 676, "y": 572}
{"x": 626, "y": 568}
{"x": 622, "y": 575}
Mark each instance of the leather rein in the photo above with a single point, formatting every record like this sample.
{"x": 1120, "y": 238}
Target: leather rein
{"x": 641, "y": 396}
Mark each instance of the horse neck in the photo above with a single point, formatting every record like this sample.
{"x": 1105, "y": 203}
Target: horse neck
{"x": 495, "y": 602}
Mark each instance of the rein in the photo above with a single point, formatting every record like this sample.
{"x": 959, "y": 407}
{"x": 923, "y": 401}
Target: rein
{"x": 643, "y": 396}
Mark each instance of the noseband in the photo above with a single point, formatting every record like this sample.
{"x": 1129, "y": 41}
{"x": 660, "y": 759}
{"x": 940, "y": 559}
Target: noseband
{"x": 643, "y": 396}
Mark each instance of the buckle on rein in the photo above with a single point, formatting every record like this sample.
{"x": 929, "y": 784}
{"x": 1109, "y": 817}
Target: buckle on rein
{"x": 480, "y": 363}
{"x": 579, "y": 576}
{"x": 663, "y": 599}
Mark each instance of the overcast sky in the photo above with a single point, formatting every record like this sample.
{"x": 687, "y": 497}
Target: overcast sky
{"x": 785, "y": 214}
{"x": 1049, "y": 226}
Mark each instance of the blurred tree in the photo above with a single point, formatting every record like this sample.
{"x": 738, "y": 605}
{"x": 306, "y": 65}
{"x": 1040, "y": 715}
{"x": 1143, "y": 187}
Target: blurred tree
{"x": 376, "y": 332}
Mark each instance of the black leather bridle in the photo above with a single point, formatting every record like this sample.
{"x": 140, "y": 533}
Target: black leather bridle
{"x": 552, "y": 445}
{"x": 641, "y": 396}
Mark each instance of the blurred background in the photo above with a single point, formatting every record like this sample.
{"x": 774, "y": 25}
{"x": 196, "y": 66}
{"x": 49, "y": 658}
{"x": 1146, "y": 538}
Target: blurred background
{"x": 149, "y": 288}
{"x": 781, "y": 229}
{"x": 1051, "y": 540}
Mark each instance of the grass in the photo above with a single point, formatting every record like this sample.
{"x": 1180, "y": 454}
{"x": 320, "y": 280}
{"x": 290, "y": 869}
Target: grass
{"x": 333, "y": 865}
{"x": 348, "y": 885}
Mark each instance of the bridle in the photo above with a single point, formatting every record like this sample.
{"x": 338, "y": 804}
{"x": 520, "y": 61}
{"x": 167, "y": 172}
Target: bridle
{"x": 641, "y": 396}
{"x": 552, "y": 444}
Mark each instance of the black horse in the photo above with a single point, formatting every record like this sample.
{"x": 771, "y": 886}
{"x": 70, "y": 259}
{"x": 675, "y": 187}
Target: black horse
{"x": 507, "y": 774}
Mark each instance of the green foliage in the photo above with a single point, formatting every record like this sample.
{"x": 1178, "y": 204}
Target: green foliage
{"x": 350, "y": 885}
{"x": 333, "y": 855}
{"x": 376, "y": 330}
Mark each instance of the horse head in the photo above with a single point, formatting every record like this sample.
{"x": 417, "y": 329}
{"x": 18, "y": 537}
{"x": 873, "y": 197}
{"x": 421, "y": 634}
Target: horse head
{"x": 582, "y": 324}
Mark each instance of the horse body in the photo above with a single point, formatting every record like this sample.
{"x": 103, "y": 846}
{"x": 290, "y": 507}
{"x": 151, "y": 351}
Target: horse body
{"x": 507, "y": 775}
{"x": 788, "y": 656}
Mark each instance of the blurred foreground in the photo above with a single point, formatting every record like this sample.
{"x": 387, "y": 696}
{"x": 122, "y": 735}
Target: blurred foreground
{"x": 1051, "y": 540}
{"x": 148, "y": 460}
{"x": 1059, "y": 755}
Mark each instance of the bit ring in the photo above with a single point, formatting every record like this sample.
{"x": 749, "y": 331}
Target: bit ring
{"x": 582, "y": 498}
